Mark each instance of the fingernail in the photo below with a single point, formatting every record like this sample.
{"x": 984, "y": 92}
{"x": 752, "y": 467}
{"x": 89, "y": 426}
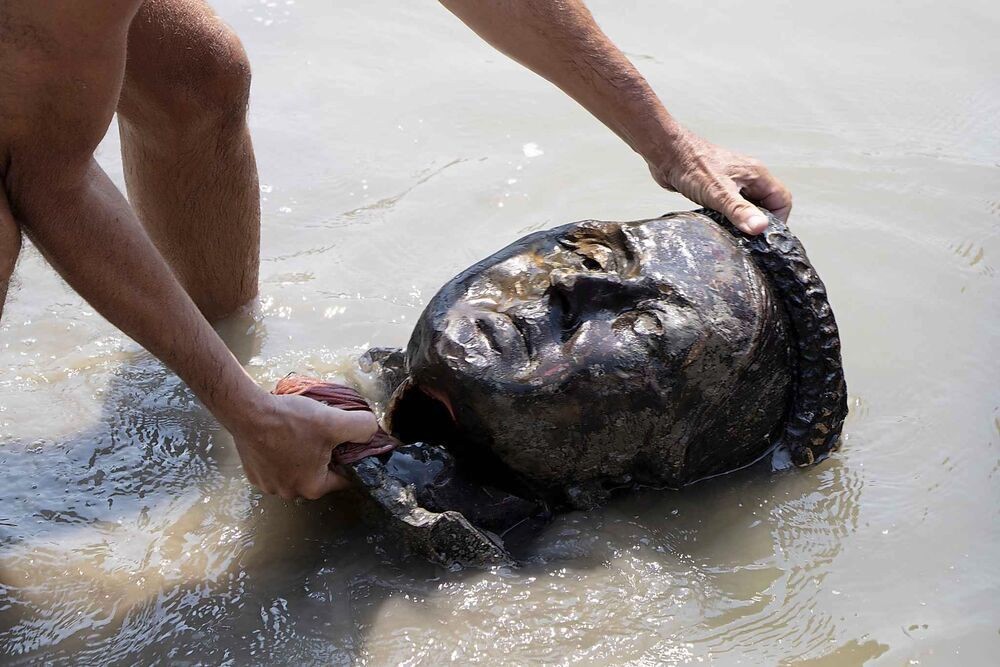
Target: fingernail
{"x": 757, "y": 223}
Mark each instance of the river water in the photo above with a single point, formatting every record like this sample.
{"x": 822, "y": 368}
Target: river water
{"x": 395, "y": 149}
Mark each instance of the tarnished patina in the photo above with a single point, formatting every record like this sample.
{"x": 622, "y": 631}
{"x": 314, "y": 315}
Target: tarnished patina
{"x": 597, "y": 356}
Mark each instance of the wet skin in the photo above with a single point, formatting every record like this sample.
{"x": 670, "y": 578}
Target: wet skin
{"x": 599, "y": 354}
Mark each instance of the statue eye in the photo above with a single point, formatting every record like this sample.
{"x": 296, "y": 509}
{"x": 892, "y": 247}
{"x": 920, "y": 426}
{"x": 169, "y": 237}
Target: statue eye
{"x": 647, "y": 322}
{"x": 597, "y": 257}
{"x": 594, "y": 254}
{"x": 590, "y": 263}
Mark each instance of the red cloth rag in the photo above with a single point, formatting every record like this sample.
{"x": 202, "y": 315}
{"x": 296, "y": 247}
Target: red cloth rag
{"x": 345, "y": 398}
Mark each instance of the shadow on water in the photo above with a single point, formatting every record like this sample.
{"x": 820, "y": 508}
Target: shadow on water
{"x": 140, "y": 538}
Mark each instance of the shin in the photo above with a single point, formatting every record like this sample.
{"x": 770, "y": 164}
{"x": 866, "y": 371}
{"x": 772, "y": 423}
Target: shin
{"x": 189, "y": 163}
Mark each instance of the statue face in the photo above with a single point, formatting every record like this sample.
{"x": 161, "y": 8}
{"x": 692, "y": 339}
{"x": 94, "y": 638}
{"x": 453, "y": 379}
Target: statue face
{"x": 605, "y": 349}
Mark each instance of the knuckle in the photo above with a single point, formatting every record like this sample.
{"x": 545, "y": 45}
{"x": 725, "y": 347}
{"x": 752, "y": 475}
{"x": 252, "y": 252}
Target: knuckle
{"x": 724, "y": 188}
{"x": 712, "y": 191}
{"x": 739, "y": 207}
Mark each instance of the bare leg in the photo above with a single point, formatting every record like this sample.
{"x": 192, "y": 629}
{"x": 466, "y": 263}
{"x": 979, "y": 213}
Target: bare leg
{"x": 10, "y": 246}
{"x": 189, "y": 163}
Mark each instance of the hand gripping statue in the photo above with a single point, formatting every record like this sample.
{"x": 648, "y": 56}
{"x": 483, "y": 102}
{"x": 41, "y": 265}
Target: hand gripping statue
{"x": 593, "y": 357}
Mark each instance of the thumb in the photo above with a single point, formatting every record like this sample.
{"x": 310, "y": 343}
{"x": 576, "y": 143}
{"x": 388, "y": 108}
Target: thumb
{"x": 743, "y": 214}
{"x": 351, "y": 426}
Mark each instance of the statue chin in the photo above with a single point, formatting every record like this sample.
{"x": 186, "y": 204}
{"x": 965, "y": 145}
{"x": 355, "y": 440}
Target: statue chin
{"x": 595, "y": 357}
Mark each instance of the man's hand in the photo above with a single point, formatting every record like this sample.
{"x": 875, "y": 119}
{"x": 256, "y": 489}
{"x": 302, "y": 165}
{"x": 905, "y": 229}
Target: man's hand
{"x": 559, "y": 40}
{"x": 722, "y": 180}
{"x": 286, "y": 443}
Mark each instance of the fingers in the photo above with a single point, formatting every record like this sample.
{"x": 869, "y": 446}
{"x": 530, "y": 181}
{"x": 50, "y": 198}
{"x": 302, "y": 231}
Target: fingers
{"x": 292, "y": 461}
{"x": 768, "y": 192}
{"x": 741, "y": 213}
{"x": 351, "y": 426}
{"x": 760, "y": 187}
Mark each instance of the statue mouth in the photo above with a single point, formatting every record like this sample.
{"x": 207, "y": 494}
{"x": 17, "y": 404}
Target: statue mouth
{"x": 442, "y": 398}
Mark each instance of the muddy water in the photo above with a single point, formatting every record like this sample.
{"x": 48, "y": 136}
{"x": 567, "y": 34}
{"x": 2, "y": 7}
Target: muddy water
{"x": 395, "y": 149}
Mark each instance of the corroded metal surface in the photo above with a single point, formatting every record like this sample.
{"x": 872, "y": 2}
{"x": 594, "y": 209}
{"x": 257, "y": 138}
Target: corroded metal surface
{"x": 447, "y": 538}
{"x": 603, "y": 354}
{"x": 597, "y": 356}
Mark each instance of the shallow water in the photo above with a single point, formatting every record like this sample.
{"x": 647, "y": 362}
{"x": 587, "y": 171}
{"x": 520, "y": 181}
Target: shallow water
{"x": 395, "y": 149}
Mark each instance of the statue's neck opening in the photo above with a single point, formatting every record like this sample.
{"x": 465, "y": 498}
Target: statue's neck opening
{"x": 418, "y": 417}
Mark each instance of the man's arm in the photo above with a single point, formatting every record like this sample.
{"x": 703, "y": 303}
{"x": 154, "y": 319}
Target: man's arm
{"x": 66, "y": 90}
{"x": 559, "y": 40}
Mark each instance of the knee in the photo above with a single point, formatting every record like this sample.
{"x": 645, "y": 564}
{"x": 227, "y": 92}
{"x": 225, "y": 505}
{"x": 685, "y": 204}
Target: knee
{"x": 200, "y": 82}
{"x": 219, "y": 85}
